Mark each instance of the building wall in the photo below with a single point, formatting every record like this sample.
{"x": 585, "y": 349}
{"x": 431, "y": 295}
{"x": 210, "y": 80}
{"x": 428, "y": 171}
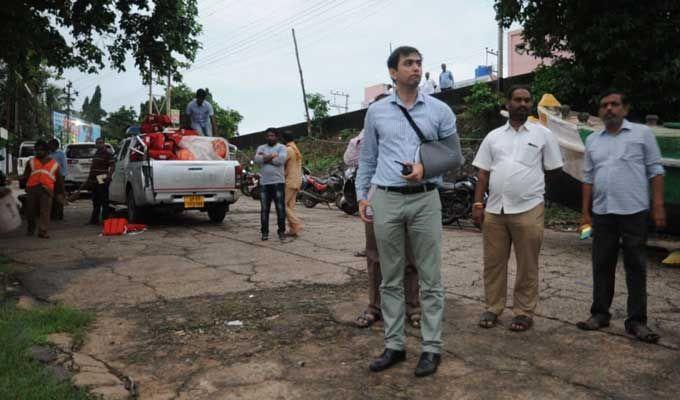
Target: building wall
{"x": 519, "y": 64}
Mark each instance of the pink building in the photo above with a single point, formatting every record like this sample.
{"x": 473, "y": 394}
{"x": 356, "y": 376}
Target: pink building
{"x": 519, "y": 62}
{"x": 371, "y": 92}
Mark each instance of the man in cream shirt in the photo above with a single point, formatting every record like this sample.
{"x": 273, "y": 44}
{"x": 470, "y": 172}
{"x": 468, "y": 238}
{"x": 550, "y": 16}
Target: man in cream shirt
{"x": 512, "y": 161}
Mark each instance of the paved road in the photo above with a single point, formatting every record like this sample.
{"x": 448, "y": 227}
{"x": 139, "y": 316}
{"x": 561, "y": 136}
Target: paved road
{"x": 164, "y": 299}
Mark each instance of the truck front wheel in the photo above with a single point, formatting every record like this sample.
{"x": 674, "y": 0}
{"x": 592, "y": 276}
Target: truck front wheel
{"x": 217, "y": 212}
{"x": 135, "y": 213}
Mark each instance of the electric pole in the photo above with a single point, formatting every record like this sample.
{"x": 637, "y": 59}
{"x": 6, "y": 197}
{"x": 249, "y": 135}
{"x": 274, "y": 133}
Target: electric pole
{"x": 302, "y": 83}
{"x": 69, "y": 101}
{"x": 339, "y": 106}
{"x": 500, "y": 57}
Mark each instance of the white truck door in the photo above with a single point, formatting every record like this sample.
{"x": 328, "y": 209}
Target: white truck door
{"x": 117, "y": 189}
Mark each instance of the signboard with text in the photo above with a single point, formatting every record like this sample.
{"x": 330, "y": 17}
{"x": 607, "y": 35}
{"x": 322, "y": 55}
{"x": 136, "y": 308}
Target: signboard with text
{"x": 74, "y": 130}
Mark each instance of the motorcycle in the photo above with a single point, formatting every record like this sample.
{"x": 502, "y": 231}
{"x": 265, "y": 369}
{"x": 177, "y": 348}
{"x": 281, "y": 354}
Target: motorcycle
{"x": 250, "y": 184}
{"x": 457, "y": 199}
{"x": 319, "y": 190}
{"x": 348, "y": 201}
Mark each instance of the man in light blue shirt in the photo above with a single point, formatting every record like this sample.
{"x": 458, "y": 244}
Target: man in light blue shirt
{"x": 200, "y": 114}
{"x": 445, "y": 79}
{"x": 272, "y": 159}
{"x": 58, "y": 155}
{"x": 620, "y": 164}
{"x": 406, "y": 203}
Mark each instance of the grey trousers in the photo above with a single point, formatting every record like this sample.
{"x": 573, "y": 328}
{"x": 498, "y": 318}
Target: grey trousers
{"x": 418, "y": 215}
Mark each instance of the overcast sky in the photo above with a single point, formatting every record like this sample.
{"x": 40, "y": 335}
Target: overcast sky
{"x": 248, "y": 60}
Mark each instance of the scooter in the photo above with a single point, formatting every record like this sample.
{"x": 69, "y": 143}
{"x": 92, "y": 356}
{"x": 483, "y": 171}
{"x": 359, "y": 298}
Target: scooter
{"x": 348, "y": 202}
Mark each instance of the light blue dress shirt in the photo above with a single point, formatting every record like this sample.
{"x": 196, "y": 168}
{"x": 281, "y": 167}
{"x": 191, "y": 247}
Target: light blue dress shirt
{"x": 60, "y": 158}
{"x": 445, "y": 80}
{"x": 620, "y": 166}
{"x": 200, "y": 116}
{"x": 388, "y": 137}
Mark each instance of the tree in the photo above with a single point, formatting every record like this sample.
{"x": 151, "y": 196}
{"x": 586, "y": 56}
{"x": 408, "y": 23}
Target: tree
{"x": 92, "y": 109}
{"x": 320, "y": 108}
{"x": 630, "y": 45}
{"x": 86, "y": 106}
{"x": 77, "y": 33}
{"x": 117, "y": 122}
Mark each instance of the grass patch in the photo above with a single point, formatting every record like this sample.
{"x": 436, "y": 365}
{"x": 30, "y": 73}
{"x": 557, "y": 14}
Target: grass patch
{"x": 21, "y": 377}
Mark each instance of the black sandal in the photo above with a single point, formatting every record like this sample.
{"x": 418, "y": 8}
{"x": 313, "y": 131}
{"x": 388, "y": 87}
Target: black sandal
{"x": 488, "y": 320}
{"x": 366, "y": 319}
{"x": 642, "y": 333}
{"x": 521, "y": 323}
{"x": 593, "y": 323}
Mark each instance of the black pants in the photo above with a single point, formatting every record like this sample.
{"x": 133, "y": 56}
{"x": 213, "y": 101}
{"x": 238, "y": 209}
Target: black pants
{"x": 268, "y": 193}
{"x": 100, "y": 202}
{"x": 629, "y": 232}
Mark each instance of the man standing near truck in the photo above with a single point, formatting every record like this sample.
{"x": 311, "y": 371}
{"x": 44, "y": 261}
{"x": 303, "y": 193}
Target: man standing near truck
{"x": 200, "y": 115}
{"x": 98, "y": 181}
{"x": 271, "y": 157}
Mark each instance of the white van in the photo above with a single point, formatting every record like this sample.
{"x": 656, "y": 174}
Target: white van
{"x": 26, "y": 151}
{"x": 79, "y": 159}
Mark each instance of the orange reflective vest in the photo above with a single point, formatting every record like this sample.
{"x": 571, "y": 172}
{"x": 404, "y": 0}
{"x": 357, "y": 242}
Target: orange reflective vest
{"x": 43, "y": 174}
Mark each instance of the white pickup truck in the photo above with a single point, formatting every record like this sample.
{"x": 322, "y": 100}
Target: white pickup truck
{"x": 143, "y": 183}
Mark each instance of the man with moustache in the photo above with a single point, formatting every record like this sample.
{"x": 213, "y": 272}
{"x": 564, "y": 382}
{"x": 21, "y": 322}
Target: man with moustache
{"x": 406, "y": 203}
{"x": 512, "y": 161}
{"x": 620, "y": 165}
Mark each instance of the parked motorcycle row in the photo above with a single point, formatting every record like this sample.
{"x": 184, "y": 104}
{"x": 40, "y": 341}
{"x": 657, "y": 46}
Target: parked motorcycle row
{"x": 339, "y": 188}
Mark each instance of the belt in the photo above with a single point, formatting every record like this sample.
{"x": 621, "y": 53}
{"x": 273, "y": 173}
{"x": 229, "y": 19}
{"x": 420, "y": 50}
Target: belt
{"x": 409, "y": 189}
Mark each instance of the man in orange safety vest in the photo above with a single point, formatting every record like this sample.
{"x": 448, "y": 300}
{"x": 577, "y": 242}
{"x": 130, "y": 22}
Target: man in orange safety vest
{"x": 43, "y": 181}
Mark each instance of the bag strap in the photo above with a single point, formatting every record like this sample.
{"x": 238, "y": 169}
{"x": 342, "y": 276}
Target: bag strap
{"x": 415, "y": 127}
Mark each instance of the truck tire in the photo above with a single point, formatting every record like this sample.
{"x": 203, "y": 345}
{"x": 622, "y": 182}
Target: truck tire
{"x": 217, "y": 212}
{"x": 135, "y": 213}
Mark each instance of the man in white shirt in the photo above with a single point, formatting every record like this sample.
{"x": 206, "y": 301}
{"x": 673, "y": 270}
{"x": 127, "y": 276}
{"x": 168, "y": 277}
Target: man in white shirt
{"x": 512, "y": 161}
{"x": 428, "y": 86}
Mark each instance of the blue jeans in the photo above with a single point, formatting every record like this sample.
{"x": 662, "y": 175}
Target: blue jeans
{"x": 276, "y": 192}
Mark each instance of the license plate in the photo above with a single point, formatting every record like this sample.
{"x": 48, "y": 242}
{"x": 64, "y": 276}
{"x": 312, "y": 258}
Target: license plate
{"x": 194, "y": 201}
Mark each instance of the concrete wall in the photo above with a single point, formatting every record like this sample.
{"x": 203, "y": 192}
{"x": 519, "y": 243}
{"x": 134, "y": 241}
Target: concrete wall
{"x": 355, "y": 119}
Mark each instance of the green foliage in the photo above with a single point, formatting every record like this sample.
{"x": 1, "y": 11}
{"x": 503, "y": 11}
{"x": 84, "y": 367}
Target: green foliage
{"x": 117, "y": 122}
{"x": 604, "y": 44}
{"x": 92, "y": 109}
{"x": 78, "y": 33}
{"x": 320, "y": 107}
{"x": 22, "y": 377}
{"x": 481, "y": 113}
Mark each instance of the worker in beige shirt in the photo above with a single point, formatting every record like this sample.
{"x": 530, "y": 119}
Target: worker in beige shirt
{"x": 293, "y": 173}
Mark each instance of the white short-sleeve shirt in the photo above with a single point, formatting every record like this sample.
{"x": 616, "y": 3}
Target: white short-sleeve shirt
{"x": 516, "y": 161}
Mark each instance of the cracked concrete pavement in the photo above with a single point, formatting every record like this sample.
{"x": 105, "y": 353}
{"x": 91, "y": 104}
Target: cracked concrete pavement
{"x": 163, "y": 300}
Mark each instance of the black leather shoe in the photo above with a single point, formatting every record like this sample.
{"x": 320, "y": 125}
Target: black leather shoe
{"x": 265, "y": 237}
{"x": 387, "y": 359}
{"x": 428, "y": 363}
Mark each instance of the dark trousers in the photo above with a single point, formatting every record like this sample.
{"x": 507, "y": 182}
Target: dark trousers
{"x": 610, "y": 233}
{"x": 39, "y": 207}
{"x": 277, "y": 193}
{"x": 100, "y": 202}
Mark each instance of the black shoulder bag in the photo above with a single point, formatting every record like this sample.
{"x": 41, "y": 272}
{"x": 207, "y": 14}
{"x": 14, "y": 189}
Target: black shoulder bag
{"x": 437, "y": 158}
